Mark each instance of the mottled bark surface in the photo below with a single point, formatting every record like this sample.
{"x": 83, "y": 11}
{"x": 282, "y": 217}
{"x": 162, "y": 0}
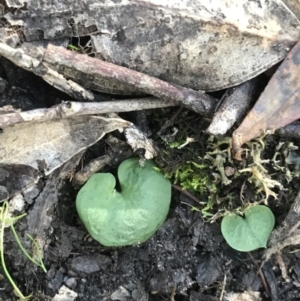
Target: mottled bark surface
{"x": 201, "y": 46}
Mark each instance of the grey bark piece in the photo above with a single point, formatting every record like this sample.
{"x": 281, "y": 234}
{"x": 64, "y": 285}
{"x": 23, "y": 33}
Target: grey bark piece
{"x": 288, "y": 233}
{"x": 213, "y": 265}
{"x": 233, "y": 108}
{"x": 291, "y": 131}
{"x": 19, "y": 58}
{"x": 120, "y": 294}
{"x": 200, "y": 46}
{"x": 40, "y": 216}
{"x": 15, "y": 178}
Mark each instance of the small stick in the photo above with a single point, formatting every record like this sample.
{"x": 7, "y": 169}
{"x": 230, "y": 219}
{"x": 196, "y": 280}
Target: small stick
{"x": 170, "y": 121}
{"x": 82, "y": 67}
{"x": 282, "y": 266}
{"x": 71, "y": 109}
{"x": 173, "y": 293}
{"x": 22, "y": 60}
{"x": 92, "y": 167}
{"x": 261, "y": 274}
{"x": 223, "y": 288}
{"x": 186, "y": 193}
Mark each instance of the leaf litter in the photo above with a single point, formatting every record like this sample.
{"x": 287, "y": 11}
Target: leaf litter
{"x": 182, "y": 241}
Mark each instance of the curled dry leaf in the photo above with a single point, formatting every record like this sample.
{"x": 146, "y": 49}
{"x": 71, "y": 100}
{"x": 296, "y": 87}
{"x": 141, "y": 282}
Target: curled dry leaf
{"x": 203, "y": 45}
{"x": 47, "y": 145}
{"x": 277, "y": 106}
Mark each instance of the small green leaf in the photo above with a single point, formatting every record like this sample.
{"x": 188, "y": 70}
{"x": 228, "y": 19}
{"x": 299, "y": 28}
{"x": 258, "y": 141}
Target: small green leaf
{"x": 250, "y": 231}
{"x": 128, "y": 217}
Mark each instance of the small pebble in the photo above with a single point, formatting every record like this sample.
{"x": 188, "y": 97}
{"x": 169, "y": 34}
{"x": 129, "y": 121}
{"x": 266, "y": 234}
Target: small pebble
{"x": 120, "y": 294}
{"x": 71, "y": 282}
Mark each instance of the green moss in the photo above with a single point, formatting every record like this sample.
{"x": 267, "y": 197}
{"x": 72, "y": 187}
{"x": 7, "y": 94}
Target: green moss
{"x": 191, "y": 176}
{"x": 204, "y": 167}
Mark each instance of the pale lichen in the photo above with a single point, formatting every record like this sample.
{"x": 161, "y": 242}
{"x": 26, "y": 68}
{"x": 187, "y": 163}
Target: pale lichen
{"x": 260, "y": 177}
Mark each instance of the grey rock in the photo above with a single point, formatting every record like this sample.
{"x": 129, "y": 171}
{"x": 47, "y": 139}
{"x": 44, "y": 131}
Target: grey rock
{"x": 65, "y": 294}
{"x": 71, "y": 282}
{"x": 88, "y": 264}
{"x": 120, "y": 294}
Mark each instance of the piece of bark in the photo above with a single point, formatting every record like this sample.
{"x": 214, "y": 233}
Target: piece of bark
{"x": 233, "y": 108}
{"x": 85, "y": 69}
{"x": 277, "y": 106}
{"x": 71, "y": 109}
{"x": 15, "y": 178}
{"x": 92, "y": 167}
{"x": 272, "y": 282}
{"x": 20, "y": 59}
{"x": 288, "y": 233}
{"x": 291, "y": 131}
{"x": 40, "y": 217}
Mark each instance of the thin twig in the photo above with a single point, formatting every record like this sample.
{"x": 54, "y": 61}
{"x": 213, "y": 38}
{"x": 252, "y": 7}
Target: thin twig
{"x": 173, "y": 293}
{"x": 22, "y": 60}
{"x": 261, "y": 274}
{"x": 71, "y": 109}
{"x": 186, "y": 193}
{"x": 223, "y": 288}
{"x": 170, "y": 121}
{"x": 281, "y": 265}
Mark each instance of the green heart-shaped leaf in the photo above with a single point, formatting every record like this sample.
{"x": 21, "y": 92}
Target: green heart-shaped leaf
{"x": 128, "y": 217}
{"x": 249, "y": 232}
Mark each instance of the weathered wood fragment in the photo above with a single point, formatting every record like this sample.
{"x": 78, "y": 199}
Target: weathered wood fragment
{"x": 22, "y": 60}
{"x": 233, "y": 108}
{"x": 83, "y": 68}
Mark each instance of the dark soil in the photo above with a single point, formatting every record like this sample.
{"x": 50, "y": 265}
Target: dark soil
{"x": 186, "y": 260}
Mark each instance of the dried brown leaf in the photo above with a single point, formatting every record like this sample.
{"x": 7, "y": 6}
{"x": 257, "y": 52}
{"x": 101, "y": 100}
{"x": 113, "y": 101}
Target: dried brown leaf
{"x": 277, "y": 106}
